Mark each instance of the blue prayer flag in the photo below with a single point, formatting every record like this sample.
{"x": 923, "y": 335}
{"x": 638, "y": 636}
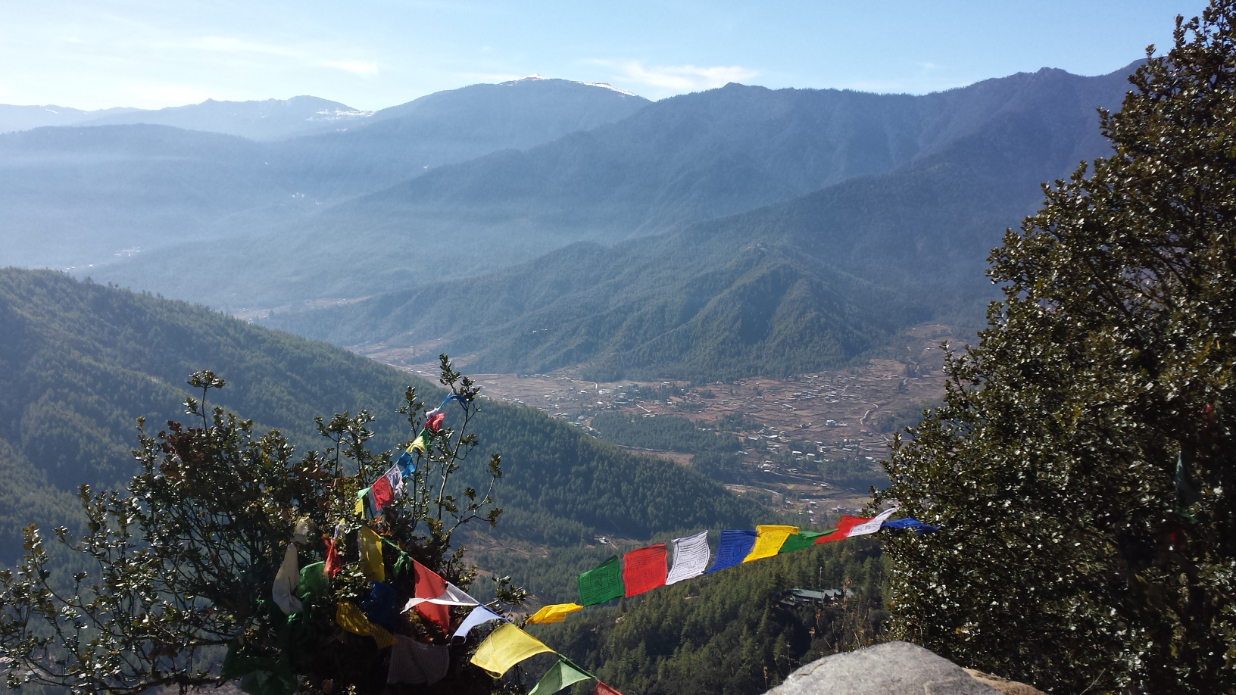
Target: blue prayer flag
{"x": 733, "y": 547}
{"x": 919, "y": 527}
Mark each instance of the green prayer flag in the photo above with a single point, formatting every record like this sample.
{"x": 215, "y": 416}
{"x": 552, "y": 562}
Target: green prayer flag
{"x": 561, "y": 675}
{"x": 800, "y": 540}
{"x": 601, "y": 584}
{"x": 313, "y": 581}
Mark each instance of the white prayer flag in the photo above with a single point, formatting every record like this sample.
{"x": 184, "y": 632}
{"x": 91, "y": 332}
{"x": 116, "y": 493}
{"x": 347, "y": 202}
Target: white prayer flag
{"x": 690, "y": 557}
{"x": 453, "y": 596}
{"x": 479, "y": 615}
{"x": 394, "y": 476}
{"x": 871, "y": 526}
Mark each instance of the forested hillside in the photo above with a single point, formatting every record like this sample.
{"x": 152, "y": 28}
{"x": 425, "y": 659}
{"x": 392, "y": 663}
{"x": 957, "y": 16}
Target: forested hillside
{"x": 80, "y": 362}
{"x": 806, "y": 285}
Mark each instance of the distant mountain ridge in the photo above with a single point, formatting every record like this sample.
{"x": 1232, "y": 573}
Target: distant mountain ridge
{"x": 78, "y": 196}
{"x": 812, "y": 283}
{"x": 671, "y": 164}
{"x": 269, "y": 119}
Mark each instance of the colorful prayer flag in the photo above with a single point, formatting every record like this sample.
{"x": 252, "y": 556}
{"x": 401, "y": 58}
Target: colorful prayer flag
{"x": 333, "y": 564}
{"x": 418, "y": 444}
{"x": 643, "y": 569}
{"x": 382, "y": 494}
{"x": 285, "y": 581}
{"x": 406, "y": 463}
{"x": 844, "y": 524}
{"x": 394, "y": 477}
{"x": 732, "y": 548}
{"x": 872, "y": 526}
{"x": 555, "y": 613}
{"x": 559, "y": 676}
{"x": 430, "y": 585}
{"x": 800, "y": 540}
{"x": 919, "y": 527}
{"x": 379, "y": 606}
{"x": 603, "y": 689}
{"x": 417, "y": 663}
{"x": 453, "y": 596}
{"x": 601, "y": 584}
{"x": 479, "y": 615}
{"x": 505, "y": 647}
{"x": 434, "y": 422}
{"x": 360, "y": 502}
{"x": 690, "y": 557}
{"x": 349, "y": 617}
{"x": 371, "y": 564}
{"x": 768, "y": 540}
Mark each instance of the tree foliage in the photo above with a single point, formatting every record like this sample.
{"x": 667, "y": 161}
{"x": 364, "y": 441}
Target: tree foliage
{"x": 1082, "y": 461}
{"x": 183, "y": 562}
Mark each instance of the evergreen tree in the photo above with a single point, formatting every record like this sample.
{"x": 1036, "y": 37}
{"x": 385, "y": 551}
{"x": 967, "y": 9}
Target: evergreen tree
{"x": 1082, "y": 463}
{"x": 183, "y": 567}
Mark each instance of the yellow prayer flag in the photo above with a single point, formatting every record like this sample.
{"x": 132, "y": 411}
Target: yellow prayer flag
{"x": 555, "y": 613}
{"x": 505, "y": 647}
{"x": 768, "y": 540}
{"x": 349, "y": 617}
{"x": 371, "y": 555}
{"x": 418, "y": 443}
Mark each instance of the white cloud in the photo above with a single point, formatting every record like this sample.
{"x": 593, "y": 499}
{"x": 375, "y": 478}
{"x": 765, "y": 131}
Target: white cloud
{"x": 677, "y": 79}
{"x": 355, "y": 67}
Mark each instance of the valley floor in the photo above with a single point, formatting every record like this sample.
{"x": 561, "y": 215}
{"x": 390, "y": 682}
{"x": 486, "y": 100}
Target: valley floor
{"x": 787, "y": 425}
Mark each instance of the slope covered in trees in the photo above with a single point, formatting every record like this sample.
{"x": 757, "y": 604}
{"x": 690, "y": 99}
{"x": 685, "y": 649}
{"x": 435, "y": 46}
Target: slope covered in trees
{"x": 806, "y": 285}
{"x": 79, "y": 362}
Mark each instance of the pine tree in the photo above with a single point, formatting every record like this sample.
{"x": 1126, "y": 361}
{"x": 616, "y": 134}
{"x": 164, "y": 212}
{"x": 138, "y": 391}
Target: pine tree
{"x": 182, "y": 564}
{"x": 1082, "y": 462}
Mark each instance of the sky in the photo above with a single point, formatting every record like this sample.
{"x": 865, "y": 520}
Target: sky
{"x": 370, "y": 54}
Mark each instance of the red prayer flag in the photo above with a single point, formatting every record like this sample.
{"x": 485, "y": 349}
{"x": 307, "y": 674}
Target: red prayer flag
{"x": 843, "y": 529}
{"x": 643, "y": 569}
{"x": 430, "y": 585}
{"x": 434, "y": 422}
{"x": 382, "y": 494}
{"x": 333, "y": 564}
{"x": 603, "y": 689}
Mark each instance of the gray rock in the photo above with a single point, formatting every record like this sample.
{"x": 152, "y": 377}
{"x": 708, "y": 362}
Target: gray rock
{"x": 894, "y": 668}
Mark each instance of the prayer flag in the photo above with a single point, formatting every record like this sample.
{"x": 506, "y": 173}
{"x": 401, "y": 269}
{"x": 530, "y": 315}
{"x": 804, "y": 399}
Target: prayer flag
{"x": 371, "y": 564}
{"x": 768, "y": 540}
{"x": 873, "y": 525}
{"x": 600, "y": 584}
{"x": 418, "y": 444}
{"x": 919, "y": 527}
{"x": 333, "y": 564}
{"x": 690, "y": 557}
{"x": 406, "y": 464}
{"x": 417, "y": 663}
{"x": 379, "y": 606}
{"x": 555, "y": 613}
{"x": 505, "y": 647}
{"x": 360, "y": 502}
{"x": 603, "y": 689}
{"x": 732, "y": 548}
{"x": 394, "y": 477}
{"x": 453, "y": 596}
{"x": 479, "y": 615}
{"x": 382, "y": 494}
{"x": 430, "y": 585}
{"x": 349, "y": 617}
{"x": 285, "y": 581}
{"x": 800, "y": 540}
{"x": 434, "y": 422}
{"x": 313, "y": 581}
{"x": 643, "y": 569}
{"x": 559, "y": 676}
{"x": 843, "y": 529}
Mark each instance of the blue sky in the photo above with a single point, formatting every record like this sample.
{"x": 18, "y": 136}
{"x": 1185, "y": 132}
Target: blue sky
{"x": 370, "y": 54}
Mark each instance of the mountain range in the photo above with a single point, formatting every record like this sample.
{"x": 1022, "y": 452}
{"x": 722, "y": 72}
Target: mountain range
{"x": 88, "y": 195}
